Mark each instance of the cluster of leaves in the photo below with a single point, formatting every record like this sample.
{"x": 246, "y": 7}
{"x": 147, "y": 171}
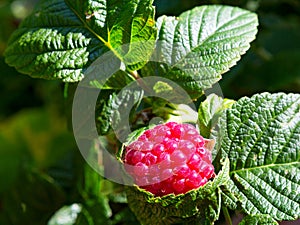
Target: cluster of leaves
{"x": 257, "y": 152}
{"x": 257, "y": 156}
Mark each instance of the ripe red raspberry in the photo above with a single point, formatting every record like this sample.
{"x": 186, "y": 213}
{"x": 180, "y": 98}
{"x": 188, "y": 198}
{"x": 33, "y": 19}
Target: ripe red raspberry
{"x": 169, "y": 158}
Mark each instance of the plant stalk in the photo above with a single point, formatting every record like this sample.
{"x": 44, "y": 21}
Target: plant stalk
{"x": 226, "y": 215}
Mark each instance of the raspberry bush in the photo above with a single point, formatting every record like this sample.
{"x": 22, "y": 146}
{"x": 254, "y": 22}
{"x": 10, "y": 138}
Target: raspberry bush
{"x": 142, "y": 117}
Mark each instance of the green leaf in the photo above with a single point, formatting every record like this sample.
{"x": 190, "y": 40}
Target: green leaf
{"x": 95, "y": 205}
{"x": 260, "y": 136}
{"x": 10, "y": 160}
{"x": 123, "y": 107}
{"x": 33, "y": 199}
{"x": 195, "y": 48}
{"x": 209, "y": 112}
{"x": 261, "y": 219}
{"x": 60, "y": 39}
{"x": 182, "y": 113}
{"x": 92, "y": 182}
{"x": 117, "y": 81}
{"x": 93, "y": 213}
{"x": 104, "y": 112}
{"x": 199, "y": 206}
{"x": 114, "y": 110}
{"x": 28, "y": 130}
{"x": 98, "y": 210}
{"x": 66, "y": 215}
{"x": 125, "y": 217}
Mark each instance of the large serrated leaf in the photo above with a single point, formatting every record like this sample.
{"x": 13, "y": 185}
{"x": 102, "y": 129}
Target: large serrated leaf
{"x": 261, "y": 137}
{"x": 60, "y": 39}
{"x": 201, "y": 44}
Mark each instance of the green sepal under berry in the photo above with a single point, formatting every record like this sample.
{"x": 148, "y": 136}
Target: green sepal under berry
{"x": 199, "y": 206}
{"x": 260, "y": 136}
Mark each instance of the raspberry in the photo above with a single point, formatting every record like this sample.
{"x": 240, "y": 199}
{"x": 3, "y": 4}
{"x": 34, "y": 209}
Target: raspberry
{"x": 169, "y": 158}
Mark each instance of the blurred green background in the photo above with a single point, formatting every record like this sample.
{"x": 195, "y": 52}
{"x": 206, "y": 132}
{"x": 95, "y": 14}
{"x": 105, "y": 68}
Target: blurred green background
{"x": 40, "y": 167}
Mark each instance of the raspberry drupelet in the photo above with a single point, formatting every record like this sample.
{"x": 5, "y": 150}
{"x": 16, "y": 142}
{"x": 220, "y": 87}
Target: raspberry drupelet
{"x": 169, "y": 158}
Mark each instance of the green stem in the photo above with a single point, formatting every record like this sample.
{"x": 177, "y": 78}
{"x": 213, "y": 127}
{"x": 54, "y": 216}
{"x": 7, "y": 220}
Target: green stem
{"x": 226, "y": 215}
{"x": 140, "y": 81}
{"x": 66, "y": 87}
{"x": 135, "y": 74}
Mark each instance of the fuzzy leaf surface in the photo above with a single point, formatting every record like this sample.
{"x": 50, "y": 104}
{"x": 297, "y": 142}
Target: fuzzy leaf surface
{"x": 60, "y": 39}
{"x": 195, "y": 48}
{"x": 260, "y": 136}
{"x": 258, "y": 220}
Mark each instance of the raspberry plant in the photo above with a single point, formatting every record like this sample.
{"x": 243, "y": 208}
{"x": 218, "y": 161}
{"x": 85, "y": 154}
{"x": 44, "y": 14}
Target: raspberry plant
{"x": 256, "y": 152}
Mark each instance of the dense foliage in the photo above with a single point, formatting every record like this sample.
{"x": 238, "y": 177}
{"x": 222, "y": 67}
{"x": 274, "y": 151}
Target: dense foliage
{"x": 44, "y": 178}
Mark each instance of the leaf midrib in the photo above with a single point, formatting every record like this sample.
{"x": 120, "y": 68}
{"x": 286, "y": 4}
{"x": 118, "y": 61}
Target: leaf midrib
{"x": 264, "y": 129}
{"x": 264, "y": 166}
{"x": 207, "y": 38}
{"x": 85, "y": 25}
{"x": 216, "y": 75}
{"x": 289, "y": 213}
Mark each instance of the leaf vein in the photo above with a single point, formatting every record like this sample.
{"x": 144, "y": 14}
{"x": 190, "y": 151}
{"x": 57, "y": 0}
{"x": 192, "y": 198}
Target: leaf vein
{"x": 262, "y": 133}
{"x": 257, "y": 193}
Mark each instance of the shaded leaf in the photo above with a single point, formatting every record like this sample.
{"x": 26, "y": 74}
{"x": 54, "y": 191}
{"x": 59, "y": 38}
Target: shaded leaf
{"x": 33, "y": 199}
{"x": 123, "y": 106}
{"x": 117, "y": 81}
{"x": 104, "y": 112}
{"x": 97, "y": 211}
{"x": 125, "y": 217}
{"x": 28, "y": 130}
{"x": 114, "y": 111}
{"x": 10, "y": 161}
{"x": 258, "y": 220}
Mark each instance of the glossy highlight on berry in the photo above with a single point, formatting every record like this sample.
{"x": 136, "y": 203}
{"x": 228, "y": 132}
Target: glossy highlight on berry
{"x": 169, "y": 158}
